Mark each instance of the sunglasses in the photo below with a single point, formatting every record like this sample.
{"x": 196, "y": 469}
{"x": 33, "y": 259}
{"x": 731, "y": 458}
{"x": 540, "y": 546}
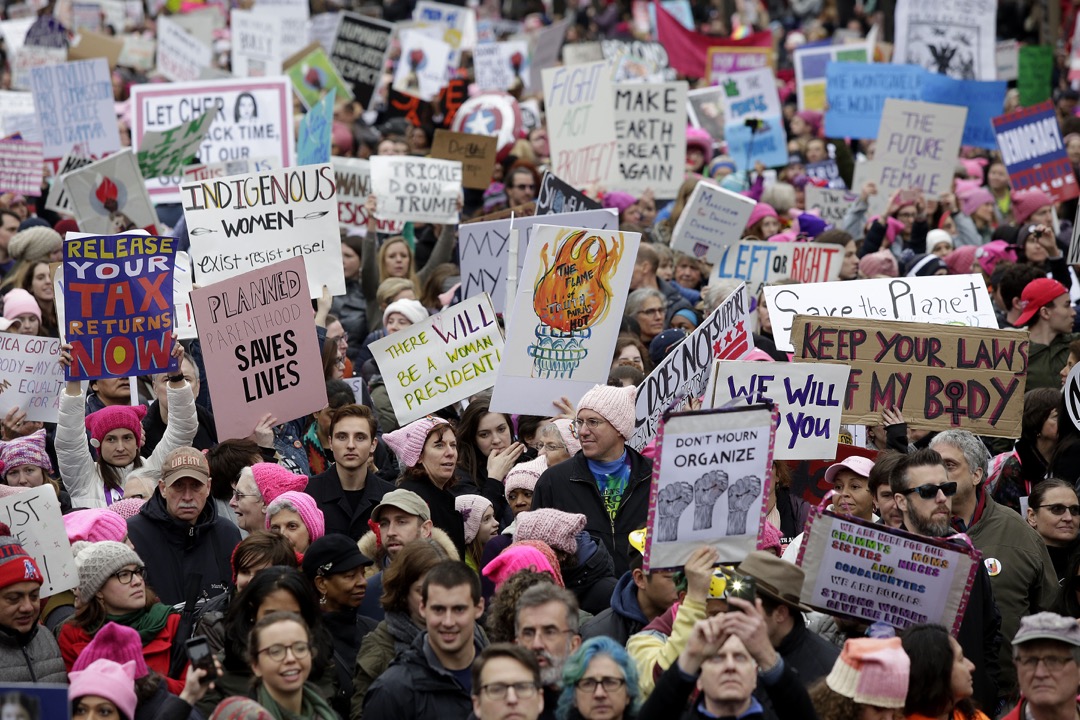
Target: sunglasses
{"x": 929, "y": 492}
{"x": 1059, "y": 509}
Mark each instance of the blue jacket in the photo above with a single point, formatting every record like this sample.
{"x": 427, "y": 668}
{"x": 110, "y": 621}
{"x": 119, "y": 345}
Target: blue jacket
{"x": 623, "y": 619}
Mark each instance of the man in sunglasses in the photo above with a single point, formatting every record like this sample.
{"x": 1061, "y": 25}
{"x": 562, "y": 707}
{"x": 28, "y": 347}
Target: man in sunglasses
{"x": 1015, "y": 557}
{"x": 924, "y": 494}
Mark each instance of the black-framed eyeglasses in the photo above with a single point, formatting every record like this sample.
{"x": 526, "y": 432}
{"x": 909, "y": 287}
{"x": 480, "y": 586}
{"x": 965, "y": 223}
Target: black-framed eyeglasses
{"x": 125, "y": 576}
{"x": 299, "y": 649}
{"x": 610, "y": 684}
{"x": 498, "y": 691}
{"x": 1060, "y": 509}
{"x": 929, "y": 492}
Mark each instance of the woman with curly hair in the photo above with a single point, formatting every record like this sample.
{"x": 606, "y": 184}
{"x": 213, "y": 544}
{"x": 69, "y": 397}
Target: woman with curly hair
{"x": 868, "y": 682}
{"x": 599, "y": 681}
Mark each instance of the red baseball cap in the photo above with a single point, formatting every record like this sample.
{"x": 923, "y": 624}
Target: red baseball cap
{"x": 1037, "y": 294}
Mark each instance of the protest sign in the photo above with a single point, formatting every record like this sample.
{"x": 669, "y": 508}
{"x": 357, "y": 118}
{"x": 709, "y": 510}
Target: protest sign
{"x": 88, "y": 45}
{"x": 636, "y": 61}
{"x": 313, "y": 75}
{"x": 33, "y": 376}
{"x": 958, "y": 39}
{"x": 726, "y": 334}
{"x": 705, "y": 110}
{"x": 856, "y": 94}
{"x": 211, "y": 171}
{"x": 763, "y": 141}
{"x": 359, "y": 53}
{"x": 46, "y": 31}
{"x": 417, "y": 189}
{"x": 314, "y": 138}
{"x": 544, "y": 47}
{"x": 495, "y": 114}
{"x": 254, "y": 120}
{"x": 352, "y": 176}
{"x": 260, "y": 346}
{"x": 180, "y": 55}
{"x": 445, "y": 359}
{"x": 29, "y": 57}
{"x": 459, "y": 24}
{"x": 165, "y": 153}
{"x": 873, "y": 573}
{"x": 476, "y": 153}
{"x": 826, "y": 172}
{"x": 580, "y": 53}
{"x": 1071, "y": 390}
{"x": 21, "y": 167}
{"x": 983, "y": 99}
{"x": 809, "y": 398}
{"x": 580, "y": 108}
{"x": 811, "y": 64}
{"x": 118, "y": 305}
{"x": 323, "y": 29}
{"x": 713, "y": 217}
{"x": 183, "y": 283}
{"x": 108, "y": 196}
{"x": 566, "y": 317}
{"x": 250, "y": 221}
{"x": 758, "y": 263}
{"x": 723, "y": 61}
{"x": 555, "y": 196}
{"x": 16, "y": 104}
{"x": 650, "y": 127}
{"x": 1031, "y": 147}
{"x": 138, "y": 52}
{"x": 750, "y": 94}
{"x": 35, "y": 521}
{"x": 937, "y": 299}
{"x": 830, "y": 205}
{"x": 1034, "y": 74}
{"x": 1007, "y": 59}
{"x": 256, "y": 44}
{"x": 940, "y": 377}
{"x": 57, "y": 200}
{"x": 87, "y": 85}
{"x": 502, "y": 66}
{"x": 422, "y": 68}
{"x": 721, "y": 463}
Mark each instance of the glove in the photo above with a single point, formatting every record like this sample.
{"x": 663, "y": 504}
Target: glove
{"x": 740, "y": 497}
{"x": 707, "y": 490}
{"x": 671, "y": 501}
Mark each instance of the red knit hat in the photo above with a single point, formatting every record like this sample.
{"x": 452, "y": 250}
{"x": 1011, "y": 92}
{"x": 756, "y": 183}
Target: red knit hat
{"x": 114, "y": 417}
{"x": 16, "y": 565}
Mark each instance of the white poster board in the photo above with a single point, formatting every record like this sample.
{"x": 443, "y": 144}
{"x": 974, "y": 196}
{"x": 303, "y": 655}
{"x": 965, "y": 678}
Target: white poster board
{"x": 759, "y": 263}
{"x": 181, "y": 56}
{"x": 32, "y": 376}
{"x": 650, "y": 125}
{"x": 417, "y": 189}
{"x": 713, "y": 218}
{"x": 35, "y": 520}
{"x": 87, "y": 85}
{"x": 580, "y": 106}
{"x": 958, "y": 39}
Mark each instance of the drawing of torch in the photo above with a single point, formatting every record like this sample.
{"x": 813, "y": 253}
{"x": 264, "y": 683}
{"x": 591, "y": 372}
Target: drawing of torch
{"x": 571, "y": 295}
{"x": 416, "y": 61}
{"x": 516, "y": 61}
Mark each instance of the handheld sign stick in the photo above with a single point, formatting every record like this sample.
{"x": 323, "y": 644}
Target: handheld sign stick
{"x": 511, "y": 273}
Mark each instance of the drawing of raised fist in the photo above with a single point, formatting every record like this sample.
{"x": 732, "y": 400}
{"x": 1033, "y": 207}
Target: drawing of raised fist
{"x": 707, "y": 490}
{"x": 671, "y": 501}
{"x": 740, "y": 497}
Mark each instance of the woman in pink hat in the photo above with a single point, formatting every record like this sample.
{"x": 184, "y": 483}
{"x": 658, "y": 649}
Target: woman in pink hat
{"x": 26, "y": 463}
{"x": 869, "y": 681}
{"x": 296, "y": 516}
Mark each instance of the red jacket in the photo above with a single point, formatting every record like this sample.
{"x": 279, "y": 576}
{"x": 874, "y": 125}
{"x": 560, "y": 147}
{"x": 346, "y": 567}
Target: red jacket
{"x": 73, "y": 640}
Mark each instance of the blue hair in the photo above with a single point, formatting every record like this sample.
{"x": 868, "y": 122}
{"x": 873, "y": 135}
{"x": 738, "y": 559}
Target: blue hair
{"x": 577, "y": 663}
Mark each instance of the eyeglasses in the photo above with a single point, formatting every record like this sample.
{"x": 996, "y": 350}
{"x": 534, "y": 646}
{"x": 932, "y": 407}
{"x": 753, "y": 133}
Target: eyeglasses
{"x": 530, "y": 186}
{"x": 342, "y": 340}
{"x": 240, "y": 496}
{"x": 124, "y": 577}
{"x": 299, "y": 650}
{"x": 1059, "y": 509}
{"x": 1053, "y": 663}
{"x": 497, "y": 691}
{"x": 610, "y": 684}
{"x": 551, "y": 447}
{"x": 654, "y": 312}
{"x": 929, "y": 492}
{"x": 547, "y": 633}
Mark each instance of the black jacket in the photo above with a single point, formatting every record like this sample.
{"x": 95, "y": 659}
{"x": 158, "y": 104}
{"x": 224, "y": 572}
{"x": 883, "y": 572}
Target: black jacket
{"x": 163, "y": 705}
{"x": 417, "y": 687}
{"x": 175, "y": 551}
{"x": 571, "y": 487}
{"x": 154, "y": 428}
{"x": 808, "y": 654}
{"x": 980, "y": 638}
{"x": 348, "y": 629}
{"x": 592, "y": 578}
{"x": 443, "y": 513}
{"x": 339, "y": 515}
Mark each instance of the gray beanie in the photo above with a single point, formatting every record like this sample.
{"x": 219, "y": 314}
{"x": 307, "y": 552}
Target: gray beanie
{"x": 96, "y": 563}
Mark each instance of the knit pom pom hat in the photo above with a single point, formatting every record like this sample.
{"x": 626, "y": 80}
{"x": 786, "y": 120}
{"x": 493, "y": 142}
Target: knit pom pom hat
{"x": 19, "y": 302}
{"x": 127, "y": 508}
{"x": 761, "y": 211}
{"x": 305, "y": 506}
{"x": 616, "y": 405}
{"x": 472, "y": 509}
{"x": 273, "y": 480}
{"x": 411, "y": 309}
{"x": 116, "y": 417}
{"x": 16, "y": 565}
{"x": 523, "y": 476}
{"x": 26, "y": 450}
{"x": 408, "y": 442}
{"x": 106, "y": 679}
{"x": 557, "y": 528}
{"x": 34, "y": 243}
{"x": 514, "y": 559}
{"x": 872, "y": 672}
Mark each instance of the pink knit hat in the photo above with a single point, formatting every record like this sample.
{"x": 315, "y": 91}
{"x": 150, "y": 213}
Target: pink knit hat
{"x": 472, "y": 509}
{"x": 872, "y": 671}
{"x": 769, "y": 538}
{"x": 566, "y": 429}
{"x": 882, "y": 262}
{"x": 557, "y": 528}
{"x": 524, "y": 475}
{"x": 240, "y": 708}
{"x": 109, "y": 680}
{"x": 342, "y": 136}
{"x": 115, "y": 417}
{"x": 95, "y": 525}
{"x": 19, "y": 302}
{"x": 273, "y": 480}
{"x": 960, "y": 260}
{"x": 1026, "y": 202}
{"x": 115, "y": 642}
{"x": 305, "y": 507}
{"x": 972, "y": 201}
{"x": 127, "y": 508}
{"x": 408, "y": 442}
{"x": 700, "y": 139}
{"x": 26, "y": 450}
{"x": 616, "y": 405}
{"x": 993, "y": 252}
{"x": 516, "y": 558}
{"x": 619, "y": 200}
{"x": 761, "y": 210}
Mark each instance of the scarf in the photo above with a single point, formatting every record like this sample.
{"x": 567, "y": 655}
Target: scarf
{"x": 312, "y": 707}
{"x": 149, "y": 622}
{"x": 402, "y": 629}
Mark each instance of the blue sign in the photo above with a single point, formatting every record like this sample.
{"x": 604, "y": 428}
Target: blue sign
{"x": 313, "y": 142}
{"x": 766, "y": 143}
{"x": 855, "y": 94}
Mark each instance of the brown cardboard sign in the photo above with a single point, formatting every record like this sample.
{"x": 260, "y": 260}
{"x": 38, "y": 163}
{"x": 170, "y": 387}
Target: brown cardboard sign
{"x": 938, "y": 376}
{"x": 476, "y": 153}
{"x": 94, "y": 45}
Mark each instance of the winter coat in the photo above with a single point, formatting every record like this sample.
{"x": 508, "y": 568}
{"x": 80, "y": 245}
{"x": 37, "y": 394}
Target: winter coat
{"x": 348, "y": 629}
{"x": 165, "y": 706}
{"x": 980, "y": 638}
{"x": 157, "y": 652}
{"x": 351, "y": 310}
{"x": 443, "y": 513}
{"x": 339, "y": 515}
{"x": 623, "y": 619}
{"x": 378, "y": 649}
{"x": 154, "y": 428}
{"x": 1044, "y": 364}
{"x": 371, "y": 606}
{"x": 592, "y": 578}
{"x": 810, "y": 656}
{"x": 32, "y": 657}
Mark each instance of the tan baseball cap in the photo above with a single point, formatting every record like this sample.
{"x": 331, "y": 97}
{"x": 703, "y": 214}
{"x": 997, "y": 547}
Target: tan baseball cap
{"x": 185, "y": 462}
{"x": 405, "y": 500}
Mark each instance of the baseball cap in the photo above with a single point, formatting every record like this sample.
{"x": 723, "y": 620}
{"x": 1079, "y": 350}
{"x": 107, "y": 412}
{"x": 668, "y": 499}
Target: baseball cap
{"x": 1037, "y": 294}
{"x": 1048, "y": 626}
{"x": 857, "y": 464}
{"x": 185, "y": 462}
{"x": 405, "y": 500}
{"x": 333, "y": 554}
{"x": 664, "y": 343}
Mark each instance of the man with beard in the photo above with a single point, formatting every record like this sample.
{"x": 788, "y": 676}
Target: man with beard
{"x": 547, "y": 624}
{"x": 924, "y": 495}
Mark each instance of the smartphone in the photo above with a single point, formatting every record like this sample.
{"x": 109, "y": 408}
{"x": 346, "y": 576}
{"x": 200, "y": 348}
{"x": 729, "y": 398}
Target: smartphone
{"x": 743, "y": 587}
{"x": 198, "y": 651}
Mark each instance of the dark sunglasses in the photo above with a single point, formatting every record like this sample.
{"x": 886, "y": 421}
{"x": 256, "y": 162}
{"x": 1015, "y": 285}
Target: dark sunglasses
{"x": 1059, "y": 509}
{"x": 929, "y": 492}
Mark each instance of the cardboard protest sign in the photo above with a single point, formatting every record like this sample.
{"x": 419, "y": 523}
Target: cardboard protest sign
{"x": 446, "y": 358}
{"x": 872, "y": 573}
{"x": 88, "y": 85}
{"x": 417, "y": 189}
{"x": 566, "y": 316}
{"x": 118, "y": 305}
{"x": 650, "y": 127}
{"x": 856, "y": 94}
{"x": 812, "y": 62}
{"x": 359, "y": 52}
{"x": 57, "y": 200}
{"x": 21, "y": 167}
{"x": 956, "y": 39}
{"x": 544, "y": 47}
{"x": 459, "y": 24}
{"x": 829, "y": 204}
{"x": 705, "y": 110}
{"x": 165, "y": 153}
{"x": 502, "y": 66}
{"x": 723, "y": 61}
{"x": 88, "y": 45}
{"x": 758, "y": 263}
{"x": 714, "y": 217}
{"x": 259, "y": 344}
{"x": 314, "y": 138}
{"x": 827, "y": 172}
{"x": 809, "y": 398}
{"x": 750, "y": 94}
{"x": 353, "y": 179}
{"x": 181, "y": 56}
{"x": 580, "y": 109}
{"x": 940, "y": 299}
{"x": 476, "y": 153}
{"x": 256, "y": 44}
{"x": 33, "y": 376}
{"x": 720, "y": 462}
{"x": 34, "y": 518}
{"x": 422, "y": 68}
{"x": 250, "y": 221}
{"x": 556, "y": 196}
{"x": 726, "y": 334}
{"x": 942, "y": 376}
{"x": 484, "y": 247}
{"x": 313, "y": 75}
{"x": 109, "y": 196}
{"x": 1031, "y": 147}
{"x": 1035, "y": 74}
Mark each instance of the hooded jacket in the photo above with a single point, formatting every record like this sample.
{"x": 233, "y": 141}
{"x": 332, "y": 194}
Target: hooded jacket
{"x": 623, "y": 619}
{"x": 371, "y": 607}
